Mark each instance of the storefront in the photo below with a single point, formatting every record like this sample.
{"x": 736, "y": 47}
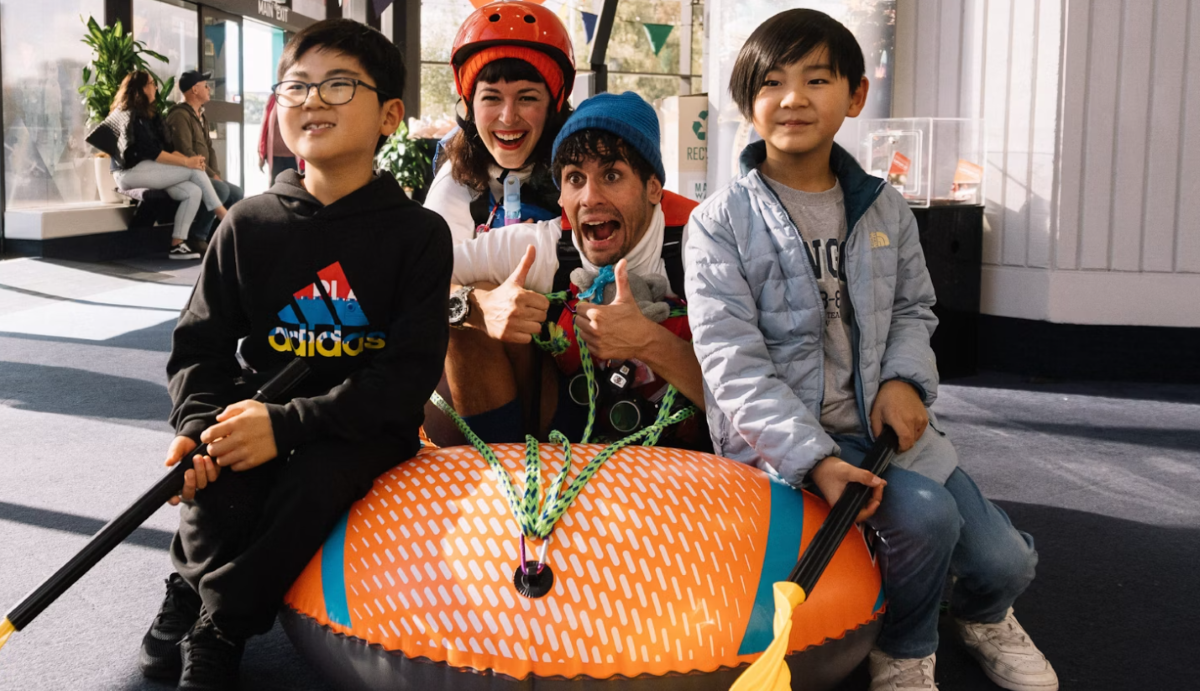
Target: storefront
{"x": 47, "y": 164}
{"x": 239, "y": 42}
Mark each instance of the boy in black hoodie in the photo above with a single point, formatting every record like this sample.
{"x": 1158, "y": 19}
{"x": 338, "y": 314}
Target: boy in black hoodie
{"x": 337, "y": 267}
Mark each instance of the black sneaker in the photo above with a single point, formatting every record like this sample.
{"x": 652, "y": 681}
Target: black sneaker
{"x": 183, "y": 251}
{"x": 160, "y": 657}
{"x": 210, "y": 659}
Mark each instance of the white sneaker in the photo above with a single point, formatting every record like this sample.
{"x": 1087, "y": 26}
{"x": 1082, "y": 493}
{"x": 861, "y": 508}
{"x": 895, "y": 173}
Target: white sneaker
{"x": 892, "y": 674}
{"x": 1008, "y": 656}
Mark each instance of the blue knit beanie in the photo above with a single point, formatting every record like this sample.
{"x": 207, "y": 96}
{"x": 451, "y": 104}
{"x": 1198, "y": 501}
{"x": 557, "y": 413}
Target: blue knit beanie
{"x": 625, "y": 115}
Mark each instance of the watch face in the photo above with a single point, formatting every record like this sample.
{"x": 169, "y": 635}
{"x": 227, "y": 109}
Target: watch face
{"x": 458, "y": 309}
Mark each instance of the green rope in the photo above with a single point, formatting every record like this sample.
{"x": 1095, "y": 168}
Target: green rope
{"x": 536, "y": 519}
{"x": 553, "y": 510}
{"x": 558, "y": 344}
{"x": 589, "y": 372}
{"x": 515, "y": 503}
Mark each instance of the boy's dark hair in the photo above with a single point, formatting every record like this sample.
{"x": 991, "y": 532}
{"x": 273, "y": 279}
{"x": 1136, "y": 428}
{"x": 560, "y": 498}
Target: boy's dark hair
{"x": 789, "y": 37}
{"x": 603, "y": 145}
{"x": 378, "y": 56}
{"x": 465, "y": 151}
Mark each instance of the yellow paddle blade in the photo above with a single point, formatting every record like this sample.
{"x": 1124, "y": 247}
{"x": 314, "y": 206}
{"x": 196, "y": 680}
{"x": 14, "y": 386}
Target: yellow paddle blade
{"x": 6, "y": 630}
{"x": 770, "y": 671}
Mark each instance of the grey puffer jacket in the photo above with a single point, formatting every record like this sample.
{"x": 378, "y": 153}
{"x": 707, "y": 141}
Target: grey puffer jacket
{"x": 758, "y": 322}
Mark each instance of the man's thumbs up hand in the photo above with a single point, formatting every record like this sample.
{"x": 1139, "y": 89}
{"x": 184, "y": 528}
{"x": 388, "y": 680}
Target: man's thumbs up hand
{"x": 619, "y": 330}
{"x": 521, "y": 274}
{"x": 511, "y": 313}
{"x": 624, "y": 294}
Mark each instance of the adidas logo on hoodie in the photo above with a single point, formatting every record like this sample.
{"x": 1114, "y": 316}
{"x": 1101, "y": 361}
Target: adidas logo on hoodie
{"x": 324, "y": 319}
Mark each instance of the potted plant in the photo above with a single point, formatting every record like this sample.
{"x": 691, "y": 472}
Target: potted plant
{"x": 408, "y": 160}
{"x": 115, "y": 55}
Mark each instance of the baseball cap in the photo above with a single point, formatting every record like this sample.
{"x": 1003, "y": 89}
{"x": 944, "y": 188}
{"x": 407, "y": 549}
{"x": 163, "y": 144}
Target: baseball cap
{"x": 191, "y": 78}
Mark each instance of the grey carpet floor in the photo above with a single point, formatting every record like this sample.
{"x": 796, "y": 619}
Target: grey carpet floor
{"x": 1106, "y": 476}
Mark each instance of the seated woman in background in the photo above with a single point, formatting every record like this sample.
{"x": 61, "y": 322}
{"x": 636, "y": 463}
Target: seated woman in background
{"x": 150, "y": 163}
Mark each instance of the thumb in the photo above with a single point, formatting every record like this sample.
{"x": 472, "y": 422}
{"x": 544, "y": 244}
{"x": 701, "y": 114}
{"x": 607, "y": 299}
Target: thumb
{"x": 230, "y": 411}
{"x": 180, "y": 446}
{"x": 522, "y": 272}
{"x": 866, "y": 477}
{"x": 624, "y": 292}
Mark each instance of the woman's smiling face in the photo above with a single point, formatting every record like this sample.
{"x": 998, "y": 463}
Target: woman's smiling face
{"x": 510, "y": 117}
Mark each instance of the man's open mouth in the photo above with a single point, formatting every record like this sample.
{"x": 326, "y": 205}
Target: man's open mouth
{"x": 316, "y": 126}
{"x": 601, "y": 231}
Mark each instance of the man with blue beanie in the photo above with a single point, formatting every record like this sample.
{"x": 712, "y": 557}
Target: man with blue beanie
{"x": 619, "y": 229}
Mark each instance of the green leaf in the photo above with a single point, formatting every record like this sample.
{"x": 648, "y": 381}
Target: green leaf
{"x": 118, "y": 29}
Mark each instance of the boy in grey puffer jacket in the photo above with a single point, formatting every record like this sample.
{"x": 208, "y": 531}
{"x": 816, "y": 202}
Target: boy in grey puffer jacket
{"x": 810, "y": 305}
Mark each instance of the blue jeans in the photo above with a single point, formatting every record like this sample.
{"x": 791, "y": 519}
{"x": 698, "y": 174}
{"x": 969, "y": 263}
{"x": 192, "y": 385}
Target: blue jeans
{"x": 927, "y": 531}
{"x": 229, "y": 195}
{"x": 190, "y": 187}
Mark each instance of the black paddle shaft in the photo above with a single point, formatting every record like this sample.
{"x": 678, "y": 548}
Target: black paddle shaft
{"x": 831, "y": 533}
{"x": 120, "y": 527}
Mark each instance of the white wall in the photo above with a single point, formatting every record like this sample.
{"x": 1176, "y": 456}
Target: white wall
{"x": 1093, "y": 124}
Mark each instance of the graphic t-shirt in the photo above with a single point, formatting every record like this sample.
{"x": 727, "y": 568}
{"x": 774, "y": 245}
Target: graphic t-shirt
{"x": 820, "y": 217}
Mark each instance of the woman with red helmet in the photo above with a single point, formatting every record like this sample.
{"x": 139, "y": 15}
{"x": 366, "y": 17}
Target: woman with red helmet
{"x": 514, "y": 67}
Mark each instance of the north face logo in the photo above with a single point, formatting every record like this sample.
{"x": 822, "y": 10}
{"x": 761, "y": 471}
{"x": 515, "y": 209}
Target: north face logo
{"x": 327, "y": 320}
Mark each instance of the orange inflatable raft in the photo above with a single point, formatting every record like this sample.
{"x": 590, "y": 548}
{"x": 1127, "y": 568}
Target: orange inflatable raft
{"x": 661, "y": 580}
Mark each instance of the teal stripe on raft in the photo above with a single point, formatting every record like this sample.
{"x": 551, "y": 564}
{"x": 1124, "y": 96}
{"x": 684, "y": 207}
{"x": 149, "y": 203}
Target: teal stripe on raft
{"x": 783, "y": 549}
{"x": 333, "y": 574}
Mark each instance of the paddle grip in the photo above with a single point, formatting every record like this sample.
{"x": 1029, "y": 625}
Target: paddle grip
{"x": 841, "y": 517}
{"x": 128, "y": 520}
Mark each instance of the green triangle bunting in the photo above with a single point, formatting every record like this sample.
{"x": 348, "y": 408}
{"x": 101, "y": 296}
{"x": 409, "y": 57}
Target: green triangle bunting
{"x": 657, "y": 33}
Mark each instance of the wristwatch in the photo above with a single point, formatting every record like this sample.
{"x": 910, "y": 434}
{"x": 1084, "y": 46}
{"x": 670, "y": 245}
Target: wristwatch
{"x": 460, "y": 306}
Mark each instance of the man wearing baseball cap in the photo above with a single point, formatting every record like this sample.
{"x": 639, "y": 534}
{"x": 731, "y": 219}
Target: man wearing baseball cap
{"x": 188, "y": 129}
{"x": 619, "y": 227}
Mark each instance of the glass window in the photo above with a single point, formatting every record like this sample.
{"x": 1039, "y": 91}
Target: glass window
{"x": 309, "y": 8}
{"x": 223, "y": 57}
{"x": 355, "y": 9}
{"x": 263, "y": 46}
{"x": 649, "y": 87}
{"x": 46, "y": 161}
{"x": 438, "y": 96}
{"x": 629, "y": 49}
{"x": 169, "y": 28}
{"x": 439, "y": 24}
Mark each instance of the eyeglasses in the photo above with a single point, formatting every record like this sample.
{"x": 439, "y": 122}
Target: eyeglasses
{"x": 335, "y": 91}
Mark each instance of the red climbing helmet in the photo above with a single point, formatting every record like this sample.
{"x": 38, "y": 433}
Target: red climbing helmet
{"x": 514, "y": 29}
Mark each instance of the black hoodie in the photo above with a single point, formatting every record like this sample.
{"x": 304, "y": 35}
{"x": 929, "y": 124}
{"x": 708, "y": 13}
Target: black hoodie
{"x": 357, "y": 288}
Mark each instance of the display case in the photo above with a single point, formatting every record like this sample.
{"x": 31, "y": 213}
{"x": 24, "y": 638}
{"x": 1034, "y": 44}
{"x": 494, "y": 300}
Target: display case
{"x": 931, "y": 161}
